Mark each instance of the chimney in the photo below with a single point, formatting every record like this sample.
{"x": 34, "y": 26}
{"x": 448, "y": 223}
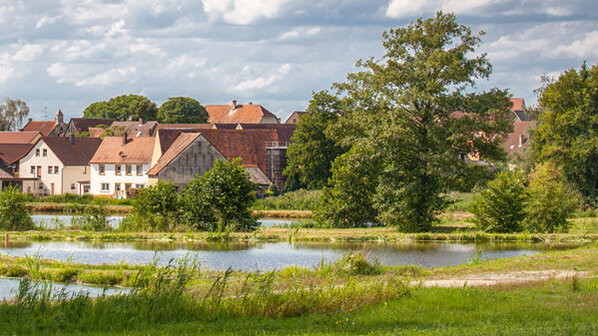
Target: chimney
{"x": 124, "y": 138}
{"x": 140, "y": 121}
{"x": 72, "y": 138}
{"x": 234, "y": 104}
{"x": 521, "y": 140}
{"x": 30, "y": 119}
{"x": 250, "y": 103}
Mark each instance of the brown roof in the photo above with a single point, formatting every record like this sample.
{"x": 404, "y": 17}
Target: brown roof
{"x": 112, "y": 150}
{"x": 182, "y": 141}
{"x": 135, "y": 128}
{"x": 232, "y": 114}
{"x": 520, "y": 132}
{"x": 226, "y": 126}
{"x": 73, "y": 154}
{"x": 44, "y": 127}
{"x": 249, "y": 145}
{"x": 12, "y": 153}
{"x": 96, "y": 132}
{"x": 29, "y": 137}
{"x": 185, "y": 126}
{"x": 285, "y": 131}
{"x": 83, "y": 124}
{"x": 257, "y": 176}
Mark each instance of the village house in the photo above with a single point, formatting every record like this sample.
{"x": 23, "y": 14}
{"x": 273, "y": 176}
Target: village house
{"x": 121, "y": 164}
{"x": 238, "y": 113}
{"x": 295, "y": 117}
{"x": 133, "y": 129}
{"x": 59, "y": 165}
{"x": 54, "y": 128}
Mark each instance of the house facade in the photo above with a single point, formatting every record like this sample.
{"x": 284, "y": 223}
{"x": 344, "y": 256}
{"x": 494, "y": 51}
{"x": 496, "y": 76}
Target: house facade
{"x": 121, "y": 164}
{"x": 58, "y": 165}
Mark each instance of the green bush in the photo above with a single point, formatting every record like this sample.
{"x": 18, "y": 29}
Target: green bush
{"x": 296, "y": 200}
{"x": 550, "y": 200}
{"x": 501, "y": 206}
{"x": 14, "y": 214}
{"x": 220, "y": 200}
{"x": 156, "y": 208}
{"x": 91, "y": 218}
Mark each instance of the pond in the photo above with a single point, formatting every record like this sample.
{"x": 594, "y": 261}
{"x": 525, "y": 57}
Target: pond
{"x": 9, "y": 288}
{"x": 269, "y": 256}
{"x": 54, "y": 221}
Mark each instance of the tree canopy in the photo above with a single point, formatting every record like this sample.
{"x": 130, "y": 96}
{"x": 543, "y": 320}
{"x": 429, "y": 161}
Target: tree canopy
{"x": 568, "y": 127}
{"x": 12, "y": 114}
{"x": 414, "y": 113}
{"x": 123, "y": 108}
{"x": 182, "y": 110}
{"x": 312, "y": 149}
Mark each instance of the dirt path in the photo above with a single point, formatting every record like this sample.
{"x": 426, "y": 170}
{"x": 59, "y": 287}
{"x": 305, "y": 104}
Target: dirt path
{"x": 493, "y": 279}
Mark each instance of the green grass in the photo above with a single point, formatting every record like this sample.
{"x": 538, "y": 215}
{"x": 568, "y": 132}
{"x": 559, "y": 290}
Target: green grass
{"x": 552, "y": 308}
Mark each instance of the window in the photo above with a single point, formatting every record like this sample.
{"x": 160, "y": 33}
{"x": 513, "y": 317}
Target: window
{"x": 55, "y": 169}
{"x": 41, "y": 185}
{"x": 117, "y": 169}
{"x": 72, "y": 186}
{"x": 129, "y": 169}
{"x": 84, "y": 170}
{"x": 139, "y": 170}
{"x": 32, "y": 170}
{"x": 37, "y": 152}
{"x": 105, "y": 187}
{"x": 102, "y": 169}
{"x": 45, "y": 152}
{"x": 39, "y": 171}
{"x": 139, "y": 186}
{"x": 49, "y": 169}
{"x": 127, "y": 186}
{"x": 116, "y": 186}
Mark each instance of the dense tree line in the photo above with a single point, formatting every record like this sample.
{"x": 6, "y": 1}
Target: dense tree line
{"x": 133, "y": 107}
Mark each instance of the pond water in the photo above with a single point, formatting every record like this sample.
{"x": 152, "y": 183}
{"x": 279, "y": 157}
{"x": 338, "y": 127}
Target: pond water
{"x": 53, "y": 221}
{"x": 9, "y": 288}
{"x": 269, "y": 256}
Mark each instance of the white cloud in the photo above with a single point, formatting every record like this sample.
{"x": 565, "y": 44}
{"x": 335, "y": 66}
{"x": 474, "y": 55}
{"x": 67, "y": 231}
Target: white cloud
{"x": 242, "y": 12}
{"x": 263, "y": 82}
{"x": 300, "y": 32}
{"x": 108, "y": 78}
{"x": 28, "y": 52}
{"x": 582, "y": 48}
{"x": 46, "y": 20}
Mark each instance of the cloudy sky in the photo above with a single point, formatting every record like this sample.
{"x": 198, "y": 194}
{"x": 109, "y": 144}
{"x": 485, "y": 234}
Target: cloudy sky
{"x": 71, "y": 53}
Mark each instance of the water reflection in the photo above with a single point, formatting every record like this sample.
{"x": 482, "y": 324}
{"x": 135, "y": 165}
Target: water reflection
{"x": 268, "y": 256}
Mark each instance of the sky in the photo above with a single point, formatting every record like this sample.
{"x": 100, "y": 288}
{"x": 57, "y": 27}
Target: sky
{"x": 68, "y": 54}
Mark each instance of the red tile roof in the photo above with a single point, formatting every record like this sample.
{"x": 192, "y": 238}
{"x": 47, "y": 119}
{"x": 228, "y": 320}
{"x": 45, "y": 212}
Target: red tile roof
{"x": 12, "y": 153}
{"x": 184, "y": 126}
{"x": 136, "y": 150}
{"x": 182, "y": 141}
{"x": 285, "y": 131}
{"x": 44, "y": 127}
{"x": 29, "y": 137}
{"x": 249, "y": 145}
{"x": 518, "y": 104}
{"x": 77, "y": 153}
{"x": 232, "y": 114}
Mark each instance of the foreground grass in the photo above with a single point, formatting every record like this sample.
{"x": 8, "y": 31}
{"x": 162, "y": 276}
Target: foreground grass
{"x": 553, "y": 308}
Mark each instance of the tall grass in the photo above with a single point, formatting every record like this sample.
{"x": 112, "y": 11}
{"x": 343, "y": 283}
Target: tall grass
{"x": 163, "y": 298}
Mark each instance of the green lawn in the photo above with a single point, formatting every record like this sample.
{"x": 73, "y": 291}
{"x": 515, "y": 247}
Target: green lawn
{"x": 552, "y": 308}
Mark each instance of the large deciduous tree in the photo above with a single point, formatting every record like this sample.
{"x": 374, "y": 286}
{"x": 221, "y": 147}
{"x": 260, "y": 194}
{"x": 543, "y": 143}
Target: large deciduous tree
{"x": 12, "y": 114}
{"x": 415, "y": 112}
{"x": 182, "y": 110}
{"x": 567, "y": 131}
{"x": 123, "y": 108}
{"x": 312, "y": 149}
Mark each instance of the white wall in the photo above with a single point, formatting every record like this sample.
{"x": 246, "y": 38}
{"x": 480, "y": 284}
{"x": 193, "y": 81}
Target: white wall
{"x": 47, "y": 179}
{"x": 111, "y": 178}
